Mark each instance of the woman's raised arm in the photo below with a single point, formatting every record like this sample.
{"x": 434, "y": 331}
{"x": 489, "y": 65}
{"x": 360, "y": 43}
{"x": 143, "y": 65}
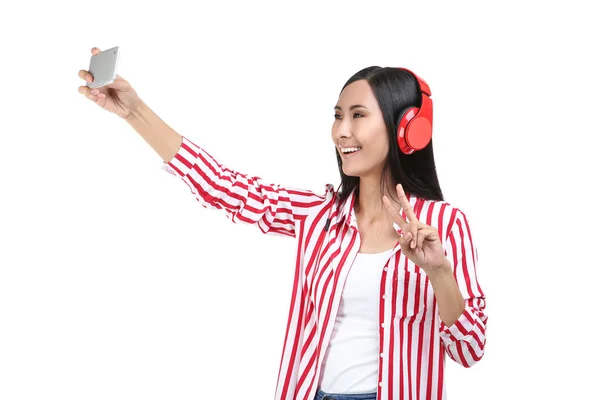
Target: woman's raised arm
{"x": 244, "y": 198}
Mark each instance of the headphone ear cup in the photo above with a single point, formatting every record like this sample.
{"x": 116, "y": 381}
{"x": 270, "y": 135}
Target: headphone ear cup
{"x": 406, "y": 116}
{"x": 412, "y": 133}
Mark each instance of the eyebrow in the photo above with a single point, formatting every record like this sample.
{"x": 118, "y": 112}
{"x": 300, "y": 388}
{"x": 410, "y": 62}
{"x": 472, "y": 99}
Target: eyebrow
{"x": 351, "y": 107}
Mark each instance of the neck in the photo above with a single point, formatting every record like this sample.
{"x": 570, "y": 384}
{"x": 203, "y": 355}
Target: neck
{"x": 369, "y": 204}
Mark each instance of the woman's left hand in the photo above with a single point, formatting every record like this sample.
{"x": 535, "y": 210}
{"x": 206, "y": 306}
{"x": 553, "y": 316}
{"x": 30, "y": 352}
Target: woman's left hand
{"x": 419, "y": 242}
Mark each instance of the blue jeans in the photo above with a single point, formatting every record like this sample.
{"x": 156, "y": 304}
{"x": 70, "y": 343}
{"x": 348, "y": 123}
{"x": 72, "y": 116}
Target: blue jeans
{"x": 332, "y": 396}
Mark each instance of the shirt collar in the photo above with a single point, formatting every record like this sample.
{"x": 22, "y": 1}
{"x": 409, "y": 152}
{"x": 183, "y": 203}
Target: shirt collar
{"x": 348, "y": 216}
{"x": 346, "y": 209}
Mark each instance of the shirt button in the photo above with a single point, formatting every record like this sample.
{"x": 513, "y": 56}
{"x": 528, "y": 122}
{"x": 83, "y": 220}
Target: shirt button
{"x": 380, "y": 384}
{"x": 385, "y": 269}
{"x": 383, "y": 325}
{"x": 383, "y": 297}
{"x": 381, "y": 355}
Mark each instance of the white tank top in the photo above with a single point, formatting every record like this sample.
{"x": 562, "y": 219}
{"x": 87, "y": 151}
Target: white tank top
{"x": 351, "y": 362}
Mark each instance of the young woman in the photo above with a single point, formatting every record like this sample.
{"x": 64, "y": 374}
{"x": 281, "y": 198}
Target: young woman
{"x": 385, "y": 283}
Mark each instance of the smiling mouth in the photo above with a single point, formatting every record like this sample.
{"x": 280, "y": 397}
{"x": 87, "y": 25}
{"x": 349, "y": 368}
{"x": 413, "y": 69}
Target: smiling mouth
{"x": 350, "y": 153}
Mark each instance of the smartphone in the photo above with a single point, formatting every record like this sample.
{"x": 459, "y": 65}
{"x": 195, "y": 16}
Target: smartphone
{"x": 103, "y": 67}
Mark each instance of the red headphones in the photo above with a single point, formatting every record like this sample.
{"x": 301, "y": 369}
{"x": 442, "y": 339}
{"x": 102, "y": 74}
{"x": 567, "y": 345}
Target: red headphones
{"x": 414, "y": 125}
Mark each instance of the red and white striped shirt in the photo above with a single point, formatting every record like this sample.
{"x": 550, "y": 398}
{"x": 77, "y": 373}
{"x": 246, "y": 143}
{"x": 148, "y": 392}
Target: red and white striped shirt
{"x": 413, "y": 341}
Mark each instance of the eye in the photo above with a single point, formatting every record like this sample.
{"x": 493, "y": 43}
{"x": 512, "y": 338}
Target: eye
{"x": 337, "y": 116}
{"x": 355, "y": 114}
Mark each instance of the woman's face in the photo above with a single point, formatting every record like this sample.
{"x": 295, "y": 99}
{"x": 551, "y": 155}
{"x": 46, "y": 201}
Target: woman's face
{"x": 359, "y": 123}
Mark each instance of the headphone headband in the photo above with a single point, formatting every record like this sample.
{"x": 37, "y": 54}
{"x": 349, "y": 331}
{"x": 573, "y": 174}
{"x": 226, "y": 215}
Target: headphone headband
{"x": 424, "y": 86}
{"x": 426, "y": 109}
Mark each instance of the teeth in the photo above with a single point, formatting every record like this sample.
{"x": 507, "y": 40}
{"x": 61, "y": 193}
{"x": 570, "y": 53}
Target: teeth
{"x": 350, "y": 149}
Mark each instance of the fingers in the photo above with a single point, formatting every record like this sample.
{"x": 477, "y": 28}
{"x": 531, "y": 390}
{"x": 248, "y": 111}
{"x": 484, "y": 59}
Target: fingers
{"x": 421, "y": 235}
{"x": 88, "y": 91}
{"x": 406, "y": 229}
{"x": 84, "y": 90}
{"x": 425, "y": 232}
{"x": 413, "y": 222}
{"x": 405, "y": 203}
{"x": 413, "y": 229}
{"x": 85, "y": 75}
{"x": 394, "y": 213}
{"x": 97, "y": 93}
{"x": 92, "y": 94}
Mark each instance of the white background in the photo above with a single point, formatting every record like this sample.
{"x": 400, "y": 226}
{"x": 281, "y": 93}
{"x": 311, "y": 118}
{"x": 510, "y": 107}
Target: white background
{"x": 116, "y": 284}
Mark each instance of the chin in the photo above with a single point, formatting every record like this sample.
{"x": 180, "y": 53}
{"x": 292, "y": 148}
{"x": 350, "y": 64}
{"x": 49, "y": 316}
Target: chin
{"x": 351, "y": 172}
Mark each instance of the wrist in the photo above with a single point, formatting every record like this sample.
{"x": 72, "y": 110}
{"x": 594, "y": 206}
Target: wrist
{"x": 440, "y": 272}
{"x": 136, "y": 111}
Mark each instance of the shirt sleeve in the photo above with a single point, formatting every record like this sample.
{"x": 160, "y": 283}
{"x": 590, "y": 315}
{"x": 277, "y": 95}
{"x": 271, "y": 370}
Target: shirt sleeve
{"x": 464, "y": 341}
{"x": 244, "y": 198}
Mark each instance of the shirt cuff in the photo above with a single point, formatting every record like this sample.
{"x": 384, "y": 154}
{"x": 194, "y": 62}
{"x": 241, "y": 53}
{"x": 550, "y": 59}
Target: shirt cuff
{"x": 183, "y": 161}
{"x": 460, "y": 329}
{"x": 167, "y": 168}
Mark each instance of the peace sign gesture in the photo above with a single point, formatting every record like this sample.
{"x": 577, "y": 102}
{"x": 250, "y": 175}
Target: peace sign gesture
{"x": 419, "y": 242}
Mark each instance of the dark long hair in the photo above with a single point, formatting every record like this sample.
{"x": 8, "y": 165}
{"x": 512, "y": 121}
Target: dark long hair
{"x": 396, "y": 89}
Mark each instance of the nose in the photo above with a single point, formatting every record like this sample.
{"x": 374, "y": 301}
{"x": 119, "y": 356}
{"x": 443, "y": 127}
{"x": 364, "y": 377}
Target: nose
{"x": 341, "y": 129}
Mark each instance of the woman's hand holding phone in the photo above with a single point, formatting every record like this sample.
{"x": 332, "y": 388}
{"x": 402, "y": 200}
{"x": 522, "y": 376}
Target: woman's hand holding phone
{"x": 117, "y": 97}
